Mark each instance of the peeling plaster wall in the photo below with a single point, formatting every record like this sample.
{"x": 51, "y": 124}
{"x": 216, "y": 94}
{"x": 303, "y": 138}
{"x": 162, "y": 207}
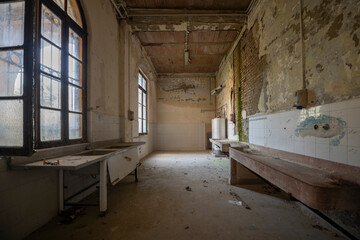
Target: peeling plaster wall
{"x": 134, "y": 59}
{"x": 184, "y": 103}
{"x": 331, "y": 31}
{"x": 331, "y": 58}
{"x": 331, "y": 50}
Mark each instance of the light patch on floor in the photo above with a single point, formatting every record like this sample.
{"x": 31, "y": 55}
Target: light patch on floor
{"x": 185, "y": 195}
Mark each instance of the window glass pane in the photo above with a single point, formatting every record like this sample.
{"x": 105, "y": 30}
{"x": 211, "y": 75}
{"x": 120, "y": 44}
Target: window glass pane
{"x": 140, "y": 96}
{"x": 144, "y": 126}
{"x": 50, "y": 125}
{"x": 74, "y": 11}
{"x": 75, "y": 73}
{"x": 11, "y": 123}
{"x": 144, "y": 99}
{"x": 139, "y": 79}
{"x": 75, "y": 45}
{"x": 50, "y": 59}
{"x": 144, "y": 84}
{"x": 75, "y": 126}
{"x": 60, "y": 3}
{"x": 144, "y": 112}
{"x": 140, "y": 125}
{"x": 11, "y": 73}
{"x": 12, "y": 24}
{"x": 50, "y": 92}
{"x": 50, "y": 26}
{"x": 140, "y": 111}
{"x": 75, "y": 99}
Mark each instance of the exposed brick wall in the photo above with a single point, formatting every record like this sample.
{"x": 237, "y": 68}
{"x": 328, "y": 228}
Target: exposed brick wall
{"x": 252, "y": 72}
{"x": 249, "y": 70}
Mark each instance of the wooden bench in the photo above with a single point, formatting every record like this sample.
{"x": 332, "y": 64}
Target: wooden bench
{"x": 318, "y": 183}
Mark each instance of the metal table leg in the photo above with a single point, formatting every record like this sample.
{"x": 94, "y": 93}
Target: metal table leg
{"x": 103, "y": 187}
{"x": 61, "y": 191}
{"x": 136, "y": 175}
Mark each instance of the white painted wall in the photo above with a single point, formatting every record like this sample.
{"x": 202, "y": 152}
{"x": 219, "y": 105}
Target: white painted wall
{"x": 184, "y": 111}
{"x": 181, "y": 136}
{"x": 134, "y": 60}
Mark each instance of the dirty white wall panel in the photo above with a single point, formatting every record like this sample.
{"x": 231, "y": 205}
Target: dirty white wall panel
{"x": 103, "y": 71}
{"x": 183, "y": 100}
{"x": 181, "y": 136}
{"x": 103, "y": 127}
{"x": 149, "y": 147}
{"x": 133, "y": 60}
{"x": 28, "y": 199}
{"x": 293, "y": 131}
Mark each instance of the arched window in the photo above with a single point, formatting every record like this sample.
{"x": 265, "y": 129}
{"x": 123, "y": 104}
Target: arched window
{"x": 42, "y": 75}
{"x": 60, "y": 74}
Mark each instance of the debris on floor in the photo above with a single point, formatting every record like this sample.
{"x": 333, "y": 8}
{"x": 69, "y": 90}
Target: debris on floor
{"x": 205, "y": 183}
{"x": 239, "y": 200}
{"x": 71, "y": 214}
{"x": 186, "y": 228}
{"x": 238, "y": 203}
{"x": 319, "y": 227}
{"x": 188, "y": 189}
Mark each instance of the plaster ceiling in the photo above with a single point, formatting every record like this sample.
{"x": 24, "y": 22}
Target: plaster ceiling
{"x": 211, "y": 26}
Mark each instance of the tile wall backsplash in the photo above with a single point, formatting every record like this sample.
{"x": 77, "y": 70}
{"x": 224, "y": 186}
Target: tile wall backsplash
{"x": 330, "y": 131}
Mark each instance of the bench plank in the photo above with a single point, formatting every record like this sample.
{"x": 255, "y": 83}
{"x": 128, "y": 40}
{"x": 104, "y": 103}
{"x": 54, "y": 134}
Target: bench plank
{"x": 317, "y": 188}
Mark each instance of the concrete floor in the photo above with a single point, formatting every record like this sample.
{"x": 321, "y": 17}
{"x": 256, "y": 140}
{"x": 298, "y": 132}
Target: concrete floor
{"x": 160, "y": 207}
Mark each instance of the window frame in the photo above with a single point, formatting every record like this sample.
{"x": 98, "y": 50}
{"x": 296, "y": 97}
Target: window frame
{"x": 143, "y": 91}
{"x": 31, "y": 79}
{"x": 67, "y": 24}
{"x": 27, "y": 96}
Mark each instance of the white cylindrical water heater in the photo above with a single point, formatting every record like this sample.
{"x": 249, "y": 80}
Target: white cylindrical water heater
{"x": 218, "y": 128}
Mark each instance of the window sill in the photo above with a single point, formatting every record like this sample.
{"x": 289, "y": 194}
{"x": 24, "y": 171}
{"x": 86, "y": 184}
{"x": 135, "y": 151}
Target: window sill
{"x": 46, "y": 153}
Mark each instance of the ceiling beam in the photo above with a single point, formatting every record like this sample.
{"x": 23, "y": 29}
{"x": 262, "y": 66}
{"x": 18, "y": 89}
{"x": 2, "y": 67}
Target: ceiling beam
{"x": 182, "y": 26}
{"x": 182, "y": 43}
{"x": 146, "y": 12}
{"x": 185, "y": 75}
{"x": 181, "y": 20}
{"x": 181, "y": 55}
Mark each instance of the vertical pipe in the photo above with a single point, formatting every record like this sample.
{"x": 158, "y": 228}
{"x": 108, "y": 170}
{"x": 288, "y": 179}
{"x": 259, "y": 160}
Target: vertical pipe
{"x": 103, "y": 187}
{"x": 302, "y": 47}
{"x": 61, "y": 190}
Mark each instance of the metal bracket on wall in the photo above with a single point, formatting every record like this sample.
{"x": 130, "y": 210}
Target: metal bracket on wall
{"x": 120, "y": 7}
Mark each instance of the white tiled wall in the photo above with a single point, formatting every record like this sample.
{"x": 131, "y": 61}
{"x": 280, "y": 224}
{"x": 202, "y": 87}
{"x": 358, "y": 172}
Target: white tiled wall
{"x": 278, "y": 131}
{"x": 232, "y": 131}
